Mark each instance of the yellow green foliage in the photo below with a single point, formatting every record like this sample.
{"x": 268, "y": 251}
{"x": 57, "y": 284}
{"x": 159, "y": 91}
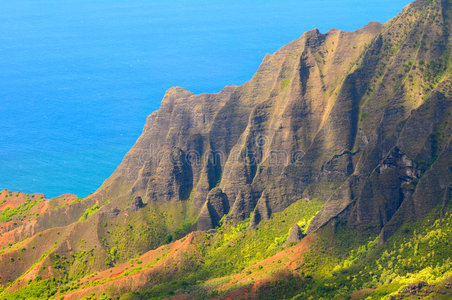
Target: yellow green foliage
{"x": 89, "y": 212}
{"x": 345, "y": 261}
{"x": 235, "y": 247}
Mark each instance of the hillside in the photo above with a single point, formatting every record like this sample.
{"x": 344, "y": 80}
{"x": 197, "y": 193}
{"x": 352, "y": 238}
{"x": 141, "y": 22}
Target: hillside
{"x": 328, "y": 174}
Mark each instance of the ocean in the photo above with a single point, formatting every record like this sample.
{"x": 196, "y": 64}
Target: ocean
{"x": 78, "y": 78}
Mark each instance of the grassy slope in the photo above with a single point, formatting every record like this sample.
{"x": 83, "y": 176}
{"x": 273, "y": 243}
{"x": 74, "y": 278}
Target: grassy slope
{"x": 235, "y": 260}
{"x": 342, "y": 264}
{"x": 232, "y": 249}
{"x": 218, "y": 255}
{"x": 345, "y": 262}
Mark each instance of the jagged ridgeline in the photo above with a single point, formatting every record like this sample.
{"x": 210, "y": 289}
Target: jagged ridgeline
{"x": 357, "y": 124}
{"x": 360, "y": 120}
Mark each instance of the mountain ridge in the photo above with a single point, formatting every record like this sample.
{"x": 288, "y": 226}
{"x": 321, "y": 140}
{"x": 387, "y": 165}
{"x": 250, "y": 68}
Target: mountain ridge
{"x": 343, "y": 135}
{"x": 263, "y": 98}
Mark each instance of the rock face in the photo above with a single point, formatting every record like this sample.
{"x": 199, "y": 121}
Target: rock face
{"x": 137, "y": 203}
{"x": 214, "y": 209}
{"x": 360, "y": 120}
{"x": 295, "y": 234}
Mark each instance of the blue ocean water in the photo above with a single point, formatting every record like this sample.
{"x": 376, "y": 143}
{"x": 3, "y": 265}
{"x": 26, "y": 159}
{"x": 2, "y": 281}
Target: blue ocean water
{"x": 79, "y": 77}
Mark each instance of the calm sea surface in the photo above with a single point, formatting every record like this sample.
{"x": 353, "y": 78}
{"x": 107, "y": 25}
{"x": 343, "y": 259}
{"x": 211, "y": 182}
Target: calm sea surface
{"x": 78, "y": 78}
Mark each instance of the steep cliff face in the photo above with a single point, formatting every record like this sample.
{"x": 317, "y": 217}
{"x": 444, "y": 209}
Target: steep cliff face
{"x": 258, "y": 143}
{"x": 359, "y": 119}
{"x": 404, "y": 126}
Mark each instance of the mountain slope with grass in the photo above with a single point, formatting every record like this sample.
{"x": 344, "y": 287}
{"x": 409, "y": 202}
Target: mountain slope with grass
{"x": 328, "y": 174}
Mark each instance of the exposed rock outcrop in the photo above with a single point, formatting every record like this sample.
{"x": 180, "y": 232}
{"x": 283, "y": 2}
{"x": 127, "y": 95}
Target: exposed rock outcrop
{"x": 137, "y": 203}
{"x": 357, "y": 119}
{"x": 360, "y": 120}
{"x": 295, "y": 234}
{"x": 214, "y": 209}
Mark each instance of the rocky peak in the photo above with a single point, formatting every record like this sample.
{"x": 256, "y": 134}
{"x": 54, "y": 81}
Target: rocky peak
{"x": 332, "y": 116}
{"x": 215, "y": 207}
{"x": 295, "y": 234}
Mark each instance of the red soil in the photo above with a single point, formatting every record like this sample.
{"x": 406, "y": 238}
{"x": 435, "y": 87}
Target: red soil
{"x": 8, "y": 204}
{"x": 139, "y": 279}
{"x": 360, "y": 294}
{"x": 287, "y": 260}
{"x": 43, "y": 206}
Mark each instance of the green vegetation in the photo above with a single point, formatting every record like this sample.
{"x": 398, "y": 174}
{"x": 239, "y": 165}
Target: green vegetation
{"x": 142, "y": 233}
{"x": 89, "y": 212}
{"x": 69, "y": 204}
{"x": 40, "y": 289}
{"x": 344, "y": 262}
{"x": 19, "y": 212}
{"x": 67, "y": 272}
{"x": 385, "y": 86}
{"x": 436, "y": 68}
{"x": 233, "y": 248}
{"x": 178, "y": 233}
{"x": 285, "y": 84}
{"x": 74, "y": 266}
